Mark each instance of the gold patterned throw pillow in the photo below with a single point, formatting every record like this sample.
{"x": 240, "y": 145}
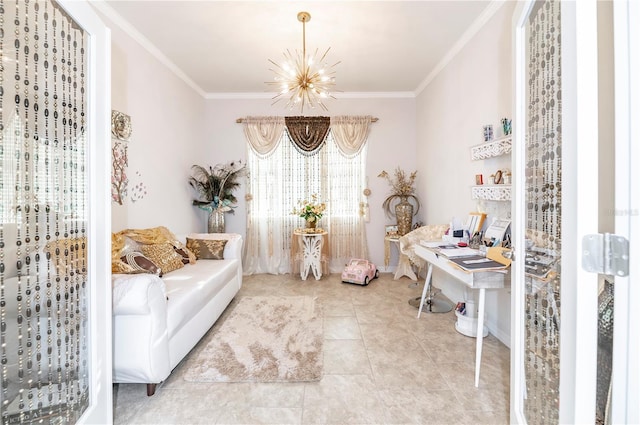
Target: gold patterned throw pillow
{"x": 139, "y": 263}
{"x": 68, "y": 255}
{"x": 120, "y": 266}
{"x": 208, "y": 249}
{"x": 163, "y": 256}
{"x": 188, "y": 257}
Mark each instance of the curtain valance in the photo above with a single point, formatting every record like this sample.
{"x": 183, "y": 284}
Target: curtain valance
{"x": 263, "y": 133}
{"x": 350, "y": 133}
{"x": 307, "y": 133}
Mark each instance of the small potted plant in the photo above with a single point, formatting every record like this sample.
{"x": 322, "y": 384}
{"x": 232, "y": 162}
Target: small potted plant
{"x": 311, "y": 211}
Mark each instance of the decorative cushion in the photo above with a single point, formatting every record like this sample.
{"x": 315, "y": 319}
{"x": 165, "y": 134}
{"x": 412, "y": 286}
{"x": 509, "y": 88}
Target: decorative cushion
{"x": 130, "y": 240}
{"x": 120, "y": 267}
{"x": 138, "y": 262}
{"x": 186, "y": 254}
{"x": 68, "y": 255}
{"x": 209, "y": 249}
{"x": 129, "y": 246}
{"x": 163, "y": 255}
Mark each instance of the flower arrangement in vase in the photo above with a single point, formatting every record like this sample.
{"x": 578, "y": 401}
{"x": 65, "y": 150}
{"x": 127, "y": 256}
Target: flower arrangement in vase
{"x": 402, "y": 190}
{"x": 215, "y": 186}
{"x": 311, "y": 211}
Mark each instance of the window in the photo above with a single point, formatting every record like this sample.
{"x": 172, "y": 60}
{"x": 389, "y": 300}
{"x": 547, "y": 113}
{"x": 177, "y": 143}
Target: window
{"x": 285, "y": 176}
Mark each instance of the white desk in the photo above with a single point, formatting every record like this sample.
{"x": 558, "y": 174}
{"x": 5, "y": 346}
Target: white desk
{"x": 481, "y": 280}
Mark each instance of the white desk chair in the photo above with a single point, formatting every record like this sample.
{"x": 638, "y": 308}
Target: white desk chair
{"x": 432, "y": 232}
{"x": 405, "y": 268}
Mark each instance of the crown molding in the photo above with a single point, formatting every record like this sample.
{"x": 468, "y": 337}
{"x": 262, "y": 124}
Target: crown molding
{"x": 239, "y": 95}
{"x": 376, "y": 95}
{"x": 103, "y": 8}
{"x": 106, "y": 10}
{"x": 468, "y": 35}
{"x": 342, "y": 95}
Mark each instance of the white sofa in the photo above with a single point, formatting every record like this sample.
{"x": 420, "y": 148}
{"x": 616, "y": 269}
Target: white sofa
{"x": 157, "y": 321}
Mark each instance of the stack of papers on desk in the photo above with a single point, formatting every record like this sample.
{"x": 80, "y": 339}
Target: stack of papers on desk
{"x": 458, "y": 252}
{"x": 449, "y": 250}
{"x": 478, "y": 263}
{"x": 439, "y": 245}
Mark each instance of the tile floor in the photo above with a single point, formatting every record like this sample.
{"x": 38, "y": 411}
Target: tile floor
{"x": 381, "y": 366}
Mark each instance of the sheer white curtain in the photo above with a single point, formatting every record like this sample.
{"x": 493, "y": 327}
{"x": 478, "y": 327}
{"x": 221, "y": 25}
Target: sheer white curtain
{"x": 282, "y": 176}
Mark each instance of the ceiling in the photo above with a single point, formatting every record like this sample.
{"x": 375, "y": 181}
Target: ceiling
{"x": 223, "y": 47}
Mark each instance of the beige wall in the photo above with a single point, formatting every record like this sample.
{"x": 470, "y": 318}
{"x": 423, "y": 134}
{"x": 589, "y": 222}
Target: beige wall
{"x": 168, "y": 126}
{"x": 474, "y": 89}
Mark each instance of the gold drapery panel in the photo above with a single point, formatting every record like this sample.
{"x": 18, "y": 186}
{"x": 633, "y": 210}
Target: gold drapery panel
{"x": 308, "y": 133}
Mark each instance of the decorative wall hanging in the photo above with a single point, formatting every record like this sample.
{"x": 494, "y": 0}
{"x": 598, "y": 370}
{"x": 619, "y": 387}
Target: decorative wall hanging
{"x": 120, "y": 125}
{"x": 120, "y": 132}
{"x": 487, "y": 132}
{"x": 139, "y": 189}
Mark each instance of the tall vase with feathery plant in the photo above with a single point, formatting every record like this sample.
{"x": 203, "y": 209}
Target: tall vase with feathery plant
{"x": 402, "y": 191}
{"x": 215, "y": 186}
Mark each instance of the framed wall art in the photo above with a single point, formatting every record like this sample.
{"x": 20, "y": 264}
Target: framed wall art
{"x": 120, "y": 134}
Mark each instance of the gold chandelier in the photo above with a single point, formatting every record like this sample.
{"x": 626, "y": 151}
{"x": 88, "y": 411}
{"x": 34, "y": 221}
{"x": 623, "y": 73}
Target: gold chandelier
{"x": 303, "y": 78}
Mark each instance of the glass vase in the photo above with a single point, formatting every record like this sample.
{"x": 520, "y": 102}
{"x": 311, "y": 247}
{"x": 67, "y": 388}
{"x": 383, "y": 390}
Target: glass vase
{"x": 404, "y": 216}
{"x": 215, "y": 223}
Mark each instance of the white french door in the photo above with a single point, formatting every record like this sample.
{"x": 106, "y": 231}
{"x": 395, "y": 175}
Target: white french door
{"x": 626, "y": 338}
{"x": 562, "y": 315}
{"x": 100, "y": 407}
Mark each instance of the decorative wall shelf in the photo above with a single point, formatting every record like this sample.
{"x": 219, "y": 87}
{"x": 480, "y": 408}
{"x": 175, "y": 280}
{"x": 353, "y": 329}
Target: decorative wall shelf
{"x": 501, "y": 192}
{"x": 490, "y": 149}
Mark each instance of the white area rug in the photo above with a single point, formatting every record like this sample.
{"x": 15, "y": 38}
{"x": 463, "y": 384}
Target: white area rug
{"x": 264, "y": 339}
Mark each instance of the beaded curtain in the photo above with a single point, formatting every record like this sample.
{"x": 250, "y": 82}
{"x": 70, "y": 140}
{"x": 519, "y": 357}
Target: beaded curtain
{"x": 285, "y": 176}
{"x": 543, "y": 201}
{"x": 43, "y": 210}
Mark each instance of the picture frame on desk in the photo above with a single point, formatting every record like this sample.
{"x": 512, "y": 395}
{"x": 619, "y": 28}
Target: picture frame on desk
{"x": 475, "y": 222}
{"x": 391, "y": 230}
{"x": 496, "y": 232}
